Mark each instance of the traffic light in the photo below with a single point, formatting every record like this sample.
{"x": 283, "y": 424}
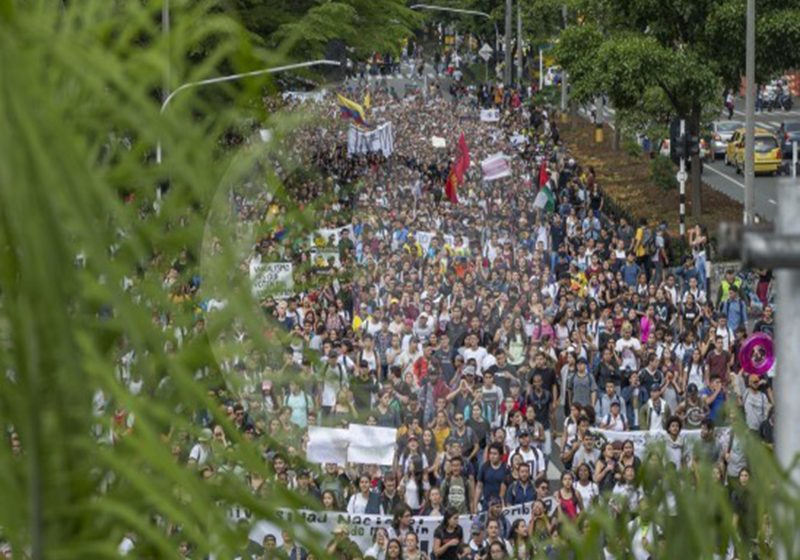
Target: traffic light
{"x": 691, "y": 145}
{"x": 679, "y": 149}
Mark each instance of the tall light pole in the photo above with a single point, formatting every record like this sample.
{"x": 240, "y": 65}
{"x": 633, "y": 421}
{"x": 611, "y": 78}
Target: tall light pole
{"x": 563, "y": 70}
{"x": 519, "y": 42}
{"x": 750, "y": 114}
{"x": 460, "y": 11}
{"x": 235, "y": 77}
{"x": 507, "y": 48}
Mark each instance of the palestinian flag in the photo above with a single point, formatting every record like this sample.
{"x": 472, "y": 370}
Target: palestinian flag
{"x": 545, "y": 199}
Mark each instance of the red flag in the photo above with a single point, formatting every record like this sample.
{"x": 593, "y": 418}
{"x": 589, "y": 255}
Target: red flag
{"x": 544, "y": 176}
{"x": 451, "y": 186}
{"x": 462, "y": 160}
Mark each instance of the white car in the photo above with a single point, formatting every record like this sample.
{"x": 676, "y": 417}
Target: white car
{"x": 721, "y": 132}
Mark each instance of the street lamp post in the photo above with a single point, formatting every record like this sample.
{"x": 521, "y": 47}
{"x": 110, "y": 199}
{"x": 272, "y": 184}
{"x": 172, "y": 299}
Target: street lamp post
{"x": 235, "y": 77}
{"x": 460, "y": 11}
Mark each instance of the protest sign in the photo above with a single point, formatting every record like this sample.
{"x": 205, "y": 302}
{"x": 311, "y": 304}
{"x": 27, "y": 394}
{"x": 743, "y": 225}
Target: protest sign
{"x": 438, "y": 142}
{"x": 495, "y": 167}
{"x": 490, "y": 115}
{"x": 451, "y": 240}
{"x": 327, "y": 445}
{"x": 319, "y": 525}
{"x": 273, "y": 279}
{"x": 372, "y": 445}
{"x": 329, "y": 237}
{"x": 365, "y": 141}
{"x": 642, "y": 439}
{"x": 424, "y": 238}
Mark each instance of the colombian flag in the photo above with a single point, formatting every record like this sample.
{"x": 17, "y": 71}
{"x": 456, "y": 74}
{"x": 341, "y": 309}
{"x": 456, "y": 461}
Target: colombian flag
{"x": 352, "y": 110}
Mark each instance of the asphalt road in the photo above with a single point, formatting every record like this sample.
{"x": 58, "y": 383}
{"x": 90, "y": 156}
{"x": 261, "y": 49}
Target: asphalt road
{"x": 725, "y": 180}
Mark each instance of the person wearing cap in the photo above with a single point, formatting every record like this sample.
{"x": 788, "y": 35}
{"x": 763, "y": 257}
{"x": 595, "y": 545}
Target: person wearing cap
{"x": 614, "y": 420}
{"x": 533, "y": 457}
{"x": 341, "y": 547}
{"x": 201, "y": 453}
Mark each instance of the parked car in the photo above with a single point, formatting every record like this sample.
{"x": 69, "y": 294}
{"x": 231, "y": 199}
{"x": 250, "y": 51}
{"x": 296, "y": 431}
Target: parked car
{"x": 721, "y": 132}
{"x": 768, "y": 156}
{"x": 789, "y": 132}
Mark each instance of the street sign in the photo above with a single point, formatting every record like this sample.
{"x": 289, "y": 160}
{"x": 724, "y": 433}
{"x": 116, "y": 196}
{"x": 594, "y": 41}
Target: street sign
{"x": 681, "y": 176}
{"x": 486, "y": 52}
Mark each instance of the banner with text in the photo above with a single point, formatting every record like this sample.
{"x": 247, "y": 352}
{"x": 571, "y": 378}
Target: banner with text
{"x": 363, "y": 142}
{"x": 363, "y": 527}
{"x": 273, "y": 279}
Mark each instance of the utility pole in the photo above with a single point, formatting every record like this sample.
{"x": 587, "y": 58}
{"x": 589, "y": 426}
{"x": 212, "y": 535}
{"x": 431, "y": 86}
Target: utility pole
{"x": 778, "y": 248}
{"x": 508, "y": 61}
{"x": 682, "y": 181}
{"x": 750, "y": 113}
{"x": 599, "y": 111}
{"x": 519, "y": 43}
{"x": 563, "y": 71}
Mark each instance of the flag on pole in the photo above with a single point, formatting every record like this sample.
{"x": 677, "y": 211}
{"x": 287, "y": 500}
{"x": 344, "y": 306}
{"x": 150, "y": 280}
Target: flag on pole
{"x": 351, "y": 110}
{"x": 544, "y": 174}
{"x": 451, "y": 186}
{"x": 462, "y": 160}
{"x": 545, "y": 199}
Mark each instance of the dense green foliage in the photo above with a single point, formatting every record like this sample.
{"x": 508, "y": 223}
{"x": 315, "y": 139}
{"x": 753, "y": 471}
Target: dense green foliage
{"x": 687, "y": 51}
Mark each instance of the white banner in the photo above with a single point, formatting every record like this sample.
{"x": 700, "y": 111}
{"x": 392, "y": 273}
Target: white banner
{"x": 641, "y": 438}
{"x": 274, "y": 279}
{"x": 496, "y": 167}
{"x": 379, "y": 140}
{"x": 363, "y": 527}
{"x": 438, "y": 142}
{"x": 357, "y": 444}
{"x": 327, "y": 445}
{"x": 490, "y": 115}
{"x": 371, "y": 445}
{"x": 315, "y": 96}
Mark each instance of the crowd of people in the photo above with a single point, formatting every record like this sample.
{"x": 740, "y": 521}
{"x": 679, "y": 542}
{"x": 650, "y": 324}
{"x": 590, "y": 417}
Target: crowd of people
{"x": 511, "y": 341}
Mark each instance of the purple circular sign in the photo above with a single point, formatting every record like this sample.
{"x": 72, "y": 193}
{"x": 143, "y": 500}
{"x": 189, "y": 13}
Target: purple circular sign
{"x": 747, "y": 354}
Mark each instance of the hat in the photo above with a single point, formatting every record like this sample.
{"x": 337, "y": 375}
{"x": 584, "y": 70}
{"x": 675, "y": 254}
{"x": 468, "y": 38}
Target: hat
{"x": 615, "y": 403}
{"x": 582, "y": 361}
{"x": 524, "y": 432}
{"x": 205, "y": 435}
{"x": 477, "y": 527}
{"x": 469, "y": 370}
{"x": 692, "y": 388}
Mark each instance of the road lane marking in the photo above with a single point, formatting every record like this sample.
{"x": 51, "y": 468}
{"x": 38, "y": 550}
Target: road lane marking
{"x": 721, "y": 174}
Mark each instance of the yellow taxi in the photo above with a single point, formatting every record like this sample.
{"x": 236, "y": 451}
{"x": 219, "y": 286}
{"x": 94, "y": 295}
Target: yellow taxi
{"x": 768, "y": 155}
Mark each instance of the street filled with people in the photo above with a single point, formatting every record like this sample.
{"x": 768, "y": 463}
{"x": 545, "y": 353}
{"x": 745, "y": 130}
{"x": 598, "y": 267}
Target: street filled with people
{"x": 528, "y": 347}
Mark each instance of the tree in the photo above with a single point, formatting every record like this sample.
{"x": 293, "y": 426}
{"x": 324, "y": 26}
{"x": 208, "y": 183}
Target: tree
{"x": 690, "y": 50}
{"x": 307, "y": 26}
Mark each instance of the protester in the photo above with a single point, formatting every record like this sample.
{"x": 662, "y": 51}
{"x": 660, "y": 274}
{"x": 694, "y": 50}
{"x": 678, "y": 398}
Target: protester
{"x": 477, "y": 325}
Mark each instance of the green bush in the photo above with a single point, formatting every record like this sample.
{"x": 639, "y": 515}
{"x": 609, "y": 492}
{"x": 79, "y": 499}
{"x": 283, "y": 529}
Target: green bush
{"x": 631, "y": 147}
{"x": 662, "y": 173}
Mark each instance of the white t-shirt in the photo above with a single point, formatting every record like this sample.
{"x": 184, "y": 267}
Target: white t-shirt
{"x": 199, "y": 454}
{"x": 588, "y": 493}
{"x": 627, "y": 349}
